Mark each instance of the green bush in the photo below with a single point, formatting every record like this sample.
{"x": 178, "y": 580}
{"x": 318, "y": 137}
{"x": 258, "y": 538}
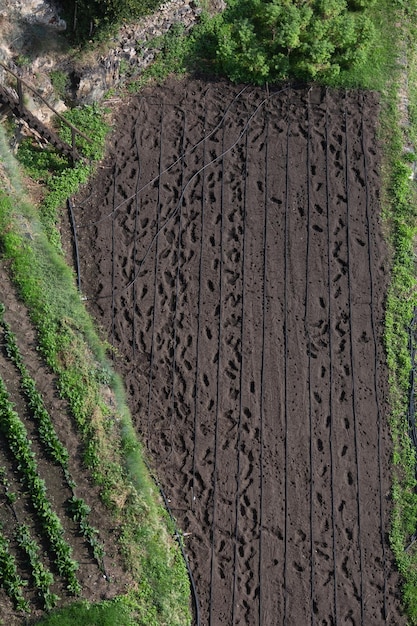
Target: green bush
{"x": 262, "y": 41}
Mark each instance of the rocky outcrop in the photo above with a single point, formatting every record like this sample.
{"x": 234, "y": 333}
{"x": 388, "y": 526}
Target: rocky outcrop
{"x": 132, "y": 50}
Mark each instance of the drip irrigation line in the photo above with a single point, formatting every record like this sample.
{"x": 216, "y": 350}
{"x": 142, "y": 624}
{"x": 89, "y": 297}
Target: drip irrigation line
{"x": 239, "y": 423}
{"x": 307, "y": 332}
{"x": 193, "y": 177}
{"x": 352, "y": 370}
{"x": 217, "y": 158}
{"x": 411, "y": 412}
{"x": 216, "y": 432}
{"x": 181, "y": 157}
{"x": 113, "y": 266}
{"x": 152, "y": 354}
{"x": 331, "y": 386}
{"x": 136, "y": 232}
{"x": 178, "y": 537}
{"x": 261, "y": 403}
{"x": 177, "y": 290}
{"x": 75, "y": 238}
{"x": 200, "y": 290}
{"x": 375, "y": 344}
{"x": 286, "y": 367}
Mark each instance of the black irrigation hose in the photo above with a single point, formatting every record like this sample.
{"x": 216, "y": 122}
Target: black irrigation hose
{"x": 113, "y": 314}
{"x": 200, "y": 290}
{"x": 75, "y": 238}
{"x": 352, "y": 371}
{"x": 135, "y": 231}
{"x": 239, "y": 423}
{"x": 411, "y": 412}
{"x": 216, "y": 433}
{"x": 307, "y": 332}
{"x": 329, "y": 296}
{"x": 178, "y": 538}
{"x": 177, "y": 290}
{"x": 261, "y": 403}
{"x": 152, "y": 353}
{"x": 376, "y": 360}
{"x": 197, "y": 173}
{"x": 286, "y": 368}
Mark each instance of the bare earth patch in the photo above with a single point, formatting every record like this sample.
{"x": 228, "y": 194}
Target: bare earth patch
{"x": 231, "y": 248}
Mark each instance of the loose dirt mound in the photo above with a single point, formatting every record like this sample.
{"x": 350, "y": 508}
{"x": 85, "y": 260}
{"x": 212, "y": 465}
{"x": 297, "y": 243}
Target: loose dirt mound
{"x": 231, "y": 248}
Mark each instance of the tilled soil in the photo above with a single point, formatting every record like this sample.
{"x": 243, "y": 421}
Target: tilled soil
{"x": 231, "y": 249}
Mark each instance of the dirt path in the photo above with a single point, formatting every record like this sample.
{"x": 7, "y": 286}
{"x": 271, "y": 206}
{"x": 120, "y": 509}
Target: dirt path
{"x": 232, "y": 251}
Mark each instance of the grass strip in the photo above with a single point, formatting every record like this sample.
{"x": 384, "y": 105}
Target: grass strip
{"x": 399, "y": 134}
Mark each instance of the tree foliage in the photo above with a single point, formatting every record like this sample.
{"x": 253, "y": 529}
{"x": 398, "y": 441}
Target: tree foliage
{"x": 93, "y": 18}
{"x": 270, "y": 40}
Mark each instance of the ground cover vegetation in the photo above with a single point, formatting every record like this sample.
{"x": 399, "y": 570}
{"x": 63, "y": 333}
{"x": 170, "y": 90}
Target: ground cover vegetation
{"x": 400, "y": 133}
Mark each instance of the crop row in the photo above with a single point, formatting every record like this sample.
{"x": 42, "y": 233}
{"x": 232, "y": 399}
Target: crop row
{"x": 55, "y": 449}
{"x": 42, "y": 577}
{"x": 15, "y": 434}
{"x": 57, "y": 452}
{"x": 10, "y": 580}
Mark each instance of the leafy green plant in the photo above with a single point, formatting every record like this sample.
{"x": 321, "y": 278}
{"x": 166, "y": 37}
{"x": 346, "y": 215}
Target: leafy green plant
{"x": 16, "y": 436}
{"x": 262, "y": 41}
{"x": 10, "y": 580}
{"x": 60, "y": 82}
{"x": 42, "y": 577}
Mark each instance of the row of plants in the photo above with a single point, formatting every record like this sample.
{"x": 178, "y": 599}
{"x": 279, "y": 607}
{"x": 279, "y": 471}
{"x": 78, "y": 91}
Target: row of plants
{"x": 54, "y": 447}
{"x": 77, "y": 507}
{"x": 80, "y": 511}
{"x": 15, "y": 434}
{"x": 42, "y": 577}
{"x": 10, "y": 580}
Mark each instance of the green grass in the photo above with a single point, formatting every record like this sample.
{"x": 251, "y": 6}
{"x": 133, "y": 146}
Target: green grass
{"x": 86, "y": 614}
{"x": 400, "y": 217}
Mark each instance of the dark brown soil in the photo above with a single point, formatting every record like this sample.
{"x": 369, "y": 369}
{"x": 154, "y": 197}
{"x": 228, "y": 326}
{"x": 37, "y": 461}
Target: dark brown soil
{"x": 231, "y": 249}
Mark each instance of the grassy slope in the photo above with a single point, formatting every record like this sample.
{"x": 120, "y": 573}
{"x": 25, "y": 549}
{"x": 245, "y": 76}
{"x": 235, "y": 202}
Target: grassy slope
{"x": 69, "y": 344}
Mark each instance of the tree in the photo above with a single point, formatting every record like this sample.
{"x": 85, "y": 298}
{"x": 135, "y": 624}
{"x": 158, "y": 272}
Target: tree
{"x": 269, "y": 40}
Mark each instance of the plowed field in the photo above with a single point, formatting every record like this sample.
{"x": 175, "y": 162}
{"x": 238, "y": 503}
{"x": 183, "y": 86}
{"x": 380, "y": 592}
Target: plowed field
{"x": 231, "y": 249}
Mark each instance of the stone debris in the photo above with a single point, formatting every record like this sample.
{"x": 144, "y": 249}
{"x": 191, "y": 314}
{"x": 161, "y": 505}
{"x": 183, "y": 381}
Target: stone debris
{"x": 130, "y": 52}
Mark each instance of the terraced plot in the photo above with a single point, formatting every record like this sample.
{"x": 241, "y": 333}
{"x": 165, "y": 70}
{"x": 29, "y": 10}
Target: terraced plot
{"x": 231, "y": 248}
{"x": 50, "y": 548}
